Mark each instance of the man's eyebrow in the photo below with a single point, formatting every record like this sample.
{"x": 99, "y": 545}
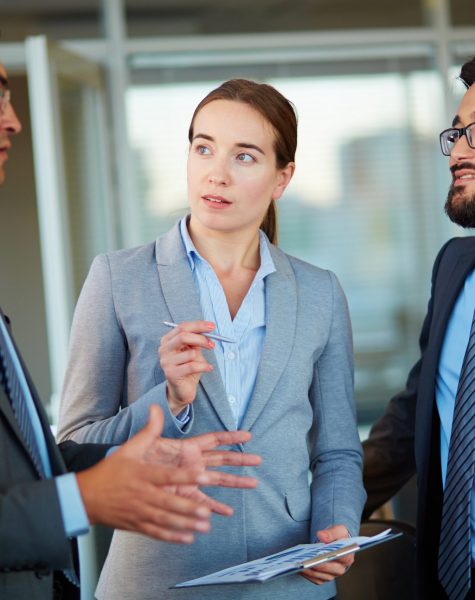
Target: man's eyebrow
{"x": 3, "y": 81}
{"x": 239, "y": 144}
{"x": 457, "y": 118}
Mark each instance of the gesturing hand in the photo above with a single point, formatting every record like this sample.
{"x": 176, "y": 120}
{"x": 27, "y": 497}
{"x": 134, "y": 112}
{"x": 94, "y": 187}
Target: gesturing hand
{"x": 182, "y": 361}
{"x": 200, "y": 452}
{"x": 126, "y": 491}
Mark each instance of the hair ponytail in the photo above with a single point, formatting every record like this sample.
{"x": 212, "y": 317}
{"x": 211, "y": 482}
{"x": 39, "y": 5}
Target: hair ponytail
{"x": 269, "y": 225}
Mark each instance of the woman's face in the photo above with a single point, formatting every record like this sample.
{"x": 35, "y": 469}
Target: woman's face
{"x": 232, "y": 172}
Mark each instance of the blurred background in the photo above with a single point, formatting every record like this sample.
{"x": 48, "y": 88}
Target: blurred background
{"x": 106, "y": 89}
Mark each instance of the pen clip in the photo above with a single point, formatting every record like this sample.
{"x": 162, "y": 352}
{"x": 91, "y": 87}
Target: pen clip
{"x": 312, "y": 562}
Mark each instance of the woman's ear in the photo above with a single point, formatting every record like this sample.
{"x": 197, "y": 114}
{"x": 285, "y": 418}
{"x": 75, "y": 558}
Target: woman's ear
{"x": 283, "y": 179}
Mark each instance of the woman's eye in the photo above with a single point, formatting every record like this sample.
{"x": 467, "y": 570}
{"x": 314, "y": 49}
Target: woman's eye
{"x": 202, "y": 150}
{"x": 245, "y": 157}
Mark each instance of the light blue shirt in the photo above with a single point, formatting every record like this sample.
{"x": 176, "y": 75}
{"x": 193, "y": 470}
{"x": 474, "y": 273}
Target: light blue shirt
{"x": 450, "y": 365}
{"x": 73, "y": 513}
{"x": 238, "y": 362}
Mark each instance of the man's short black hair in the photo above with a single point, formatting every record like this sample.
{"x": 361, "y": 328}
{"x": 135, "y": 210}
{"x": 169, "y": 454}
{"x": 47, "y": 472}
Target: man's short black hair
{"x": 467, "y": 73}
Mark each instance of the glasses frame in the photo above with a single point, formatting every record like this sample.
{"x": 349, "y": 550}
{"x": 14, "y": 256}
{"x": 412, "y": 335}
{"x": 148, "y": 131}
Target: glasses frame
{"x": 5, "y": 97}
{"x": 461, "y": 131}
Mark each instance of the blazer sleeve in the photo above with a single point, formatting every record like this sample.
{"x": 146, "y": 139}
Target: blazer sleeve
{"x": 337, "y": 490}
{"x": 92, "y": 405}
{"x": 389, "y": 451}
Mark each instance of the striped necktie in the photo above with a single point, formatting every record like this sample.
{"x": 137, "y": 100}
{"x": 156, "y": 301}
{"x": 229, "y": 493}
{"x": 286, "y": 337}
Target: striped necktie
{"x": 13, "y": 381}
{"x": 455, "y": 557}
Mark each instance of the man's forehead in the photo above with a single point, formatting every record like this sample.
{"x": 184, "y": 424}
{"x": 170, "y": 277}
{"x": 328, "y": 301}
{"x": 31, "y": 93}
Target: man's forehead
{"x": 466, "y": 109}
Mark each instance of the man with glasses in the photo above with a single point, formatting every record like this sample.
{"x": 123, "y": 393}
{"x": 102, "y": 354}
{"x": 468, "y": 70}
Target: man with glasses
{"x": 138, "y": 487}
{"x": 429, "y": 428}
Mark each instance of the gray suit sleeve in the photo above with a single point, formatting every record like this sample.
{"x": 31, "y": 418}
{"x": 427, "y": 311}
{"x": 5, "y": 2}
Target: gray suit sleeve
{"x": 93, "y": 404}
{"x": 338, "y": 495}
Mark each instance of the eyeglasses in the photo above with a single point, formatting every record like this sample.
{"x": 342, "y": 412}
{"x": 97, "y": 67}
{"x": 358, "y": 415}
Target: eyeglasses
{"x": 449, "y": 137}
{"x": 5, "y": 97}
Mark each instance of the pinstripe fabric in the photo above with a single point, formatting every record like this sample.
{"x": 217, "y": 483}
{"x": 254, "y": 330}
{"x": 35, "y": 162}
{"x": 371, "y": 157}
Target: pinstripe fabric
{"x": 11, "y": 379}
{"x": 454, "y": 563}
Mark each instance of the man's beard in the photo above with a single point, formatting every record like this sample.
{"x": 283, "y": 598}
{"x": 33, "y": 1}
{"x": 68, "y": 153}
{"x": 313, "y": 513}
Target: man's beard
{"x": 460, "y": 205}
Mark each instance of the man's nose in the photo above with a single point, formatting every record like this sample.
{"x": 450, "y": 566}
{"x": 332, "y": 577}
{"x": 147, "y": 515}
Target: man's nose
{"x": 9, "y": 121}
{"x": 461, "y": 149}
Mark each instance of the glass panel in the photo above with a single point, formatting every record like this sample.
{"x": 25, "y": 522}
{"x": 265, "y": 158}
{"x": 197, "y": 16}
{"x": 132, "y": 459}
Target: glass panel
{"x": 366, "y": 200}
{"x": 87, "y": 178}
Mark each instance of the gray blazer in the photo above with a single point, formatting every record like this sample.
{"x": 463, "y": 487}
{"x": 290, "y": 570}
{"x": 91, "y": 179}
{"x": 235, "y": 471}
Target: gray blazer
{"x": 301, "y": 414}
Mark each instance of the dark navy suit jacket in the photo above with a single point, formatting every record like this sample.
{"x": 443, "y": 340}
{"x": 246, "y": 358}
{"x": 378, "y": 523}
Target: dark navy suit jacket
{"x": 406, "y": 440}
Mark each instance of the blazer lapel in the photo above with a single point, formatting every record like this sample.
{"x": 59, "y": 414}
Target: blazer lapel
{"x": 183, "y": 303}
{"x": 281, "y": 315}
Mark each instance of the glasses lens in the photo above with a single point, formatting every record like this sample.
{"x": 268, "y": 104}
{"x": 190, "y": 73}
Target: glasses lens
{"x": 469, "y": 131}
{"x": 4, "y": 99}
{"x": 448, "y": 139}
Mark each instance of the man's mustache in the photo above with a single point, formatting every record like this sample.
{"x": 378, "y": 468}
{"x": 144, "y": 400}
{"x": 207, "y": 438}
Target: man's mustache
{"x": 461, "y": 166}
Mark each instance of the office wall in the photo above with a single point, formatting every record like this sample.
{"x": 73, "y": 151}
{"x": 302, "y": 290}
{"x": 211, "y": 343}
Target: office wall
{"x": 21, "y": 287}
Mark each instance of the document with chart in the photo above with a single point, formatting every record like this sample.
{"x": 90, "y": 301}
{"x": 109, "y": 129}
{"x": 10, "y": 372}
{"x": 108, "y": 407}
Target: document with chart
{"x": 289, "y": 561}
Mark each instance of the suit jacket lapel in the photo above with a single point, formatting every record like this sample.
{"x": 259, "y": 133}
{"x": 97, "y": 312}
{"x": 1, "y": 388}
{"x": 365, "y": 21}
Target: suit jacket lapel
{"x": 281, "y": 315}
{"x": 450, "y": 279}
{"x": 183, "y": 303}
{"x": 56, "y": 461}
{"x": 448, "y": 294}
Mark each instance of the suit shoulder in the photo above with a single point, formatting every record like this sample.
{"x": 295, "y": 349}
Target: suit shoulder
{"x": 128, "y": 259}
{"x": 452, "y": 250}
{"x": 314, "y": 284}
{"x": 305, "y": 271}
{"x": 459, "y": 244}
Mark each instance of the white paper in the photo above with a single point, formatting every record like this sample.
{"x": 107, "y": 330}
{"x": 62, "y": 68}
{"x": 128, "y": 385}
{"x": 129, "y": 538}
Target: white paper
{"x": 277, "y": 564}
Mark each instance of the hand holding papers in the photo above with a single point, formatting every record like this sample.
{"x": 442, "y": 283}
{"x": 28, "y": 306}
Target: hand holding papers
{"x": 289, "y": 561}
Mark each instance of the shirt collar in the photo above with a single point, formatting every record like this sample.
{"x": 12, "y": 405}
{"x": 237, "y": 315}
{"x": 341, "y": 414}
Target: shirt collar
{"x": 267, "y": 264}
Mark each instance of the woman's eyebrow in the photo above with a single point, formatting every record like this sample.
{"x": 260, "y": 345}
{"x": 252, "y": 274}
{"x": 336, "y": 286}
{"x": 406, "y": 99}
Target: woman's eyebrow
{"x": 251, "y": 146}
{"x": 205, "y": 136}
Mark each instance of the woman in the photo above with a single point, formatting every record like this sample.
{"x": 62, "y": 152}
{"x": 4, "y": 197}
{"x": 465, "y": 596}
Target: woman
{"x": 286, "y": 376}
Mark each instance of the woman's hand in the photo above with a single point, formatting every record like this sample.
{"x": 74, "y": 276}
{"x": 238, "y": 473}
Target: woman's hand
{"x": 334, "y": 568}
{"x": 182, "y": 361}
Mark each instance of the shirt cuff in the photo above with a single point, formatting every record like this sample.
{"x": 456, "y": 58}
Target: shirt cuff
{"x": 74, "y": 515}
{"x": 183, "y": 417}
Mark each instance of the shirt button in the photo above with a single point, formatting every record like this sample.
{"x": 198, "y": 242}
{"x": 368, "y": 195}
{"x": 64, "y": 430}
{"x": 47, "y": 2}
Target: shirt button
{"x": 231, "y": 355}
{"x": 231, "y": 398}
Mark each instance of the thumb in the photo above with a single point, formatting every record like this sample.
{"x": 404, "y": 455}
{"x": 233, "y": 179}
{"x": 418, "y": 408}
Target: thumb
{"x": 154, "y": 426}
{"x": 337, "y": 532}
{"x": 151, "y": 432}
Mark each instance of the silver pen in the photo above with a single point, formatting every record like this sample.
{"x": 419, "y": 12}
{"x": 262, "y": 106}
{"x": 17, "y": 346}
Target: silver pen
{"x": 213, "y": 336}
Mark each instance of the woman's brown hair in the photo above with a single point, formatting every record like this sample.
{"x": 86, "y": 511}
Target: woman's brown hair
{"x": 277, "y": 110}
